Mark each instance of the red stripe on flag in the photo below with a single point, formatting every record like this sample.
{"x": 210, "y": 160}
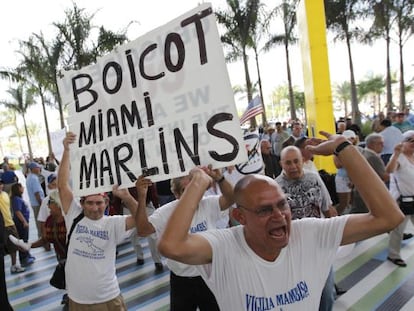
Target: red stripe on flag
{"x": 250, "y": 114}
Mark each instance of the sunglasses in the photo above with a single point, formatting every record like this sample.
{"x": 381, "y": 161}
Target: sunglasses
{"x": 409, "y": 140}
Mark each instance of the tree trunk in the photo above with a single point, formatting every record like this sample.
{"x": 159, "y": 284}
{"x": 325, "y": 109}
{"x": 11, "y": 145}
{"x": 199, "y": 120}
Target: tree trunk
{"x": 260, "y": 87}
{"x": 356, "y": 115}
{"x": 19, "y": 137}
{"x": 18, "y": 134}
{"x": 379, "y": 102}
{"x": 29, "y": 146}
{"x": 402, "y": 83}
{"x": 253, "y": 123}
{"x": 346, "y": 108}
{"x": 59, "y": 101}
{"x": 388, "y": 75}
{"x": 49, "y": 143}
{"x": 290, "y": 87}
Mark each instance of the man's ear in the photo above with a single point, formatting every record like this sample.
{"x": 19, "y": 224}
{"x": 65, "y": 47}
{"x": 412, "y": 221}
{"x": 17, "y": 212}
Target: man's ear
{"x": 238, "y": 215}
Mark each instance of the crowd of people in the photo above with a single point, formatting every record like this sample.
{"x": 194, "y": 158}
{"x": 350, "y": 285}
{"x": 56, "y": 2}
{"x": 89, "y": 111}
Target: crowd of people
{"x": 232, "y": 241}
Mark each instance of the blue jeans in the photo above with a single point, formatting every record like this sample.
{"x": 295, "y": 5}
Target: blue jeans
{"x": 328, "y": 293}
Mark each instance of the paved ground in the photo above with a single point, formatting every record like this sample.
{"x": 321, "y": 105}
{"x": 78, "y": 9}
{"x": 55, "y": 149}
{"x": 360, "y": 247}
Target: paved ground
{"x": 372, "y": 282}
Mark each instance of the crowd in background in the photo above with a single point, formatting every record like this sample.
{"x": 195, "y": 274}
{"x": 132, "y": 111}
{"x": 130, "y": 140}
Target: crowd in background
{"x": 389, "y": 149}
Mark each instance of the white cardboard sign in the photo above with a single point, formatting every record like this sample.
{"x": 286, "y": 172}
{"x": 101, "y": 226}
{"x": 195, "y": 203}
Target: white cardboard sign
{"x": 157, "y": 106}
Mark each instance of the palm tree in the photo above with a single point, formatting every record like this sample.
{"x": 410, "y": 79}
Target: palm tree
{"x": 242, "y": 90}
{"x": 5, "y": 121}
{"x": 240, "y": 22}
{"x": 257, "y": 33}
{"x": 23, "y": 98}
{"x": 287, "y": 10}
{"x": 51, "y": 52}
{"x": 8, "y": 74}
{"x": 340, "y": 15}
{"x": 76, "y": 32}
{"x": 404, "y": 15}
{"x": 300, "y": 103}
{"x": 74, "y": 47}
{"x": 374, "y": 86}
{"x": 381, "y": 28}
{"x": 280, "y": 101}
{"x": 35, "y": 68}
{"x": 343, "y": 94}
{"x": 9, "y": 118}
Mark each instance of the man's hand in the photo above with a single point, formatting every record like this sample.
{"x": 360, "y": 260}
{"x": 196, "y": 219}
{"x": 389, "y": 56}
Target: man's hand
{"x": 123, "y": 194}
{"x": 69, "y": 139}
{"x": 398, "y": 148}
{"x": 325, "y": 147}
{"x": 201, "y": 176}
{"x": 142, "y": 185}
{"x": 215, "y": 174}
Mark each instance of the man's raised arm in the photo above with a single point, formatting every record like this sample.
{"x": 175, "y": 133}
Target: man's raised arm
{"x": 176, "y": 242}
{"x": 65, "y": 191}
{"x": 384, "y": 214}
{"x": 144, "y": 227}
{"x": 130, "y": 202}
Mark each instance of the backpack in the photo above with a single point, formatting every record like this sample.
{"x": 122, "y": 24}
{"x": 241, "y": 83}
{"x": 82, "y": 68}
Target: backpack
{"x": 329, "y": 181}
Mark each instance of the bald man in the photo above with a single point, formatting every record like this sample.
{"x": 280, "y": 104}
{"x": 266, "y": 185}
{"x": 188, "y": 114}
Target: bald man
{"x": 264, "y": 263}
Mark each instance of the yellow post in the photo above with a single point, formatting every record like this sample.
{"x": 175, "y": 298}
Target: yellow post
{"x": 318, "y": 97}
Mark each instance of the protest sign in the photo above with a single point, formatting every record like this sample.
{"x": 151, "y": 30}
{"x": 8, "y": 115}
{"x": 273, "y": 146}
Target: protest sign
{"x": 57, "y": 146}
{"x": 254, "y": 163}
{"x": 157, "y": 106}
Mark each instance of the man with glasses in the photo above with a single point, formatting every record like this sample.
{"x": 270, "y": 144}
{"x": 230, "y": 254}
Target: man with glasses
{"x": 270, "y": 262}
{"x": 90, "y": 266}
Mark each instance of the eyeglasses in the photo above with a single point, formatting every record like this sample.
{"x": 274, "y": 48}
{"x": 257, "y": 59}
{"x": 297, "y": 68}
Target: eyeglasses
{"x": 266, "y": 211}
{"x": 409, "y": 140}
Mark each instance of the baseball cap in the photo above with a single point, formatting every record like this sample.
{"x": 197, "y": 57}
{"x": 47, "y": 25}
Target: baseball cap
{"x": 33, "y": 165}
{"x": 349, "y": 134}
{"x": 51, "y": 178}
{"x": 408, "y": 134}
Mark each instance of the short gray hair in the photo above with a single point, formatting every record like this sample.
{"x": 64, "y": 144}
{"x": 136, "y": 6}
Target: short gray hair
{"x": 372, "y": 138}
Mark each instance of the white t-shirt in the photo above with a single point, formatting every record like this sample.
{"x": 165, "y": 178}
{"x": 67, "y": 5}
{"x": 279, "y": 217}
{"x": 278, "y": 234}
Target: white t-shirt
{"x": 90, "y": 266}
{"x": 44, "y": 210}
{"x": 205, "y": 218}
{"x": 404, "y": 177}
{"x": 241, "y": 280}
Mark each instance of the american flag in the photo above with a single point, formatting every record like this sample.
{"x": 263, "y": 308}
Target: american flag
{"x": 253, "y": 109}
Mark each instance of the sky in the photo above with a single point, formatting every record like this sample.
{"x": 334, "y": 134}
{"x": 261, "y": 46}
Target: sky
{"x": 21, "y": 18}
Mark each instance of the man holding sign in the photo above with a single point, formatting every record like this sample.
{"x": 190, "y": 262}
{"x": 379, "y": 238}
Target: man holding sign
{"x": 157, "y": 107}
{"x": 90, "y": 265}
